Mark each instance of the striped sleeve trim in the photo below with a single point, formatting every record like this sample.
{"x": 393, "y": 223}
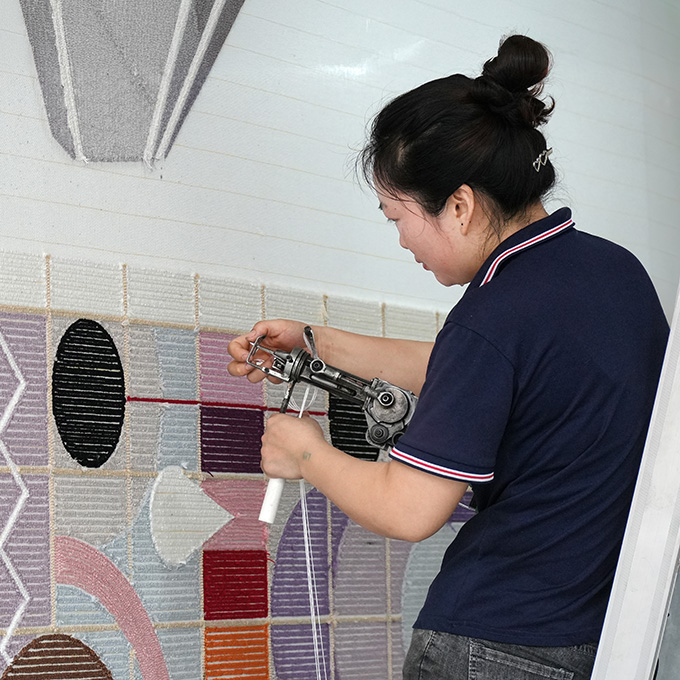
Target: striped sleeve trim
{"x": 438, "y": 469}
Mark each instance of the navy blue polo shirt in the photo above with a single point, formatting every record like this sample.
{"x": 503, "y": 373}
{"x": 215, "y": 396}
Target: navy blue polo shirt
{"x": 538, "y": 393}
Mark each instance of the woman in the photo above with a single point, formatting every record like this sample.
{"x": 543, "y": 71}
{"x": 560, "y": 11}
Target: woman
{"x": 538, "y": 390}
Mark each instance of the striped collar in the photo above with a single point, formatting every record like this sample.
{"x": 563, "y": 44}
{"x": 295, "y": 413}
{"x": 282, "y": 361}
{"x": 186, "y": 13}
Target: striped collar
{"x": 535, "y": 233}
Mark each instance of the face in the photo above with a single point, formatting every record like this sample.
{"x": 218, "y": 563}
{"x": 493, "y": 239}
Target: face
{"x": 437, "y": 243}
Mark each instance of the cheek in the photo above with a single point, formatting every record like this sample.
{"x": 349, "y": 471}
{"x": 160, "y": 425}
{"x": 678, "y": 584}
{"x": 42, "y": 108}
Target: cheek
{"x": 410, "y": 233}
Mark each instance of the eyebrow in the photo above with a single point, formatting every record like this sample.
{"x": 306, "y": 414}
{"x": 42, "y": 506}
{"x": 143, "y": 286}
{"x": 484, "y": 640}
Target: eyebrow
{"x": 381, "y": 206}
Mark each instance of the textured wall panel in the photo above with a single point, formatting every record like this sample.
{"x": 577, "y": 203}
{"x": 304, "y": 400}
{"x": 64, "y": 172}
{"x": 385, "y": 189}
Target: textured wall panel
{"x": 13, "y": 646}
{"x": 119, "y": 81}
{"x": 161, "y": 296}
{"x": 168, "y": 594}
{"x": 217, "y": 385}
{"x": 235, "y": 584}
{"x": 409, "y": 323}
{"x": 62, "y": 458}
{"x": 144, "y": 379}
{"x": 144, "y": 432}
{"x": 285, "y": 303}
{"x": 360, "y": 583}
{"x": 91, "y": 508}
{"x": 399, "y": 552}
{"x": 54, "y": 657}
{"x": 177, "y": 360}
{"x": 25, "y": 435}
{"x": 25, "y": 577}
{"x": 361, "y": 651}
{"x": 347, "y": 425}
{"x": 421, "y": 569}
{"x": 289, "y": 587}
{"x": 86, "y": 287}
{"x": 293, "y": 649}
{"x": 356, "y": 316}
{"x": 178, "y": 436}
{"x": 183, "y": 410}
{"x": 230, "y": 304}
{"x": 88, "y": 393}
{"x": 230, "y": 439}
{"x": 77, "y": 608}
{"x": 243, "y": 499}
{"x": 181, "y": 647}
{"x": 22, "y": 280}
{"x": 237, "y": 652}
{"x": 183, "y": 517}
{"x": 112, "y": 648}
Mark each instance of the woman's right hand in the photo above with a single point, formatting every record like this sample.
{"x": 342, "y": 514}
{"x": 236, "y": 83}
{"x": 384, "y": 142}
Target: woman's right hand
{"x": 281, "y": 334}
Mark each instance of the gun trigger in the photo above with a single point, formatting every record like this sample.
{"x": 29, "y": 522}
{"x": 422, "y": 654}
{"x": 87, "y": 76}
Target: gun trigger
{"x": 309, "y": 341}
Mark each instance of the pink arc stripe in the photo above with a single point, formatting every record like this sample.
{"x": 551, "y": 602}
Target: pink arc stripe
{"x": 79, "y": 564}
{"x": 521, "y": 246}
{"x": 438, "y": 469}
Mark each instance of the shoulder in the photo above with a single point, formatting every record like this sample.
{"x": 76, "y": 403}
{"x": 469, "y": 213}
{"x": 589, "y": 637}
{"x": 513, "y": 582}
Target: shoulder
{"x": 545, "y": 294}
{"x": 575, "y": 265}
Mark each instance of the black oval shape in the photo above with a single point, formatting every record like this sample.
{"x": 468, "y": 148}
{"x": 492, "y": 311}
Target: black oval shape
{"x": 347, "y": 425}
{"x": 88, "y": 393}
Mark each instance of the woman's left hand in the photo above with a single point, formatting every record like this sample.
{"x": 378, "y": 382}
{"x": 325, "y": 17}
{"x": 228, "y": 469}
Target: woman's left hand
{"x": 285, "y": 443}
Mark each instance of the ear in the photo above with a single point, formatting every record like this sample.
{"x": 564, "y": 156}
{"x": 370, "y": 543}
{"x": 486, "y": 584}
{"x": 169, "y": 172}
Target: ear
{"x": 460, "y": 208}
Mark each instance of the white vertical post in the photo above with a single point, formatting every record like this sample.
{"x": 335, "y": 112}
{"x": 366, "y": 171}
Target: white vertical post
{"x": 645, "y": 575}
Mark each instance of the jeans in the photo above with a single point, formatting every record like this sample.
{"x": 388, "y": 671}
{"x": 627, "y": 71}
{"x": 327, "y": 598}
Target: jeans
{"x": 441, "y": 656}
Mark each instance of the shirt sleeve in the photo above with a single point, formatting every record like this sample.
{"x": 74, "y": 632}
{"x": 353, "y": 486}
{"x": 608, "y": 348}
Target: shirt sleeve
{"x": 463, "y": 409}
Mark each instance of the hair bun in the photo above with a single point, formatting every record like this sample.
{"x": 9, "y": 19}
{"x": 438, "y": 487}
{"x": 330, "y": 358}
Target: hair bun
{"x": 512, "y": 81}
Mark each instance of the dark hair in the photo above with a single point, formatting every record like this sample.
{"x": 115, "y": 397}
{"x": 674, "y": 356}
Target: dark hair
{"x": 475, "y": 131}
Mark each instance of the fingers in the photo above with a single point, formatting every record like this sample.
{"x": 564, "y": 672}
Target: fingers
{"x": 239, "y": 347}
{"x": 280, "y": 334}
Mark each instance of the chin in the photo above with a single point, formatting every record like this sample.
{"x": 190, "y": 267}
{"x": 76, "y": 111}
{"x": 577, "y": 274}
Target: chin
{"x": 444, "y": 281}
{"x": 450, "y": 281}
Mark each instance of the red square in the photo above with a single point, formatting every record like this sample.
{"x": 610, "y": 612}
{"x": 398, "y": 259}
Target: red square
{"x": 235, "y": 584}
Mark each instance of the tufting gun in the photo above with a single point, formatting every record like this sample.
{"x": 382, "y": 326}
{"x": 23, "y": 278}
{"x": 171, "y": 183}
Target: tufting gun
{"x": 388, "y": 408}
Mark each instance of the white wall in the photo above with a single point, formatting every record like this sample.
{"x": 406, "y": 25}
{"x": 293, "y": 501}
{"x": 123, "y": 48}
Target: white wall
{"x": 258, "y": 184}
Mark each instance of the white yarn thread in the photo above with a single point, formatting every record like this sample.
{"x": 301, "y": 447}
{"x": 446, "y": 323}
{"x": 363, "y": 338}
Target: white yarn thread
{"x": 317, "y": 637}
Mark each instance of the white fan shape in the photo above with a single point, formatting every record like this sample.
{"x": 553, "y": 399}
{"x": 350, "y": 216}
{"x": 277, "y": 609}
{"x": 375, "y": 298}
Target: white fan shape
{"x": 182, "y": 516}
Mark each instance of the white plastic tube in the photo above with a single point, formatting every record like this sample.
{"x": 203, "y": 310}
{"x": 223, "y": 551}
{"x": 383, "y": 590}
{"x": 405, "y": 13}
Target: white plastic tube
{"x": 272, "y": 496}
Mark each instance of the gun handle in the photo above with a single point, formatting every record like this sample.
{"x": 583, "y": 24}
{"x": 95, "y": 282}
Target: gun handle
{"x": 270, "y": 504}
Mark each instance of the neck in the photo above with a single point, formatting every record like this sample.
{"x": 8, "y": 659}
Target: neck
{"x": 532, "y": 214}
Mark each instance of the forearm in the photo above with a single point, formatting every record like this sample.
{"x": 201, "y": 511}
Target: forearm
{"x": 385, "y": 498}
{"x": 391, "y": 499}
{"x": 401, "y": 362}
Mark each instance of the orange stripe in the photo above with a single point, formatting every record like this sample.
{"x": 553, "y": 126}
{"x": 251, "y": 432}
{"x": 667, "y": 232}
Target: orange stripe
{"x": 239, "y": 651}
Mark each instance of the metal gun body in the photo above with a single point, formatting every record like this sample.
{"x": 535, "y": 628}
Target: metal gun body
{"x": 388, "y": 408}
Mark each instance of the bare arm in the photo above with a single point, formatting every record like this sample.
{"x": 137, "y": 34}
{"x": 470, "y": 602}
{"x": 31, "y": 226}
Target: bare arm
{"x": 391, "y": 499}
{"x": 401, "y": 362}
